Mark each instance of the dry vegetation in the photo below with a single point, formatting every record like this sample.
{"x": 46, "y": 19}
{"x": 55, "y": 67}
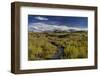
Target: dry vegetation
{"x": 42, "y": 46}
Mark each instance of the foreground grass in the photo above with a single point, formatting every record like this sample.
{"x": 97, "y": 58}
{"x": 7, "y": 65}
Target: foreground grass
{"x": 43, "y": 46}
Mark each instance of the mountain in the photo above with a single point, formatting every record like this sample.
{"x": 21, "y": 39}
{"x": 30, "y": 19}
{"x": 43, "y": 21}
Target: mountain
{"x": 42, "y": 27}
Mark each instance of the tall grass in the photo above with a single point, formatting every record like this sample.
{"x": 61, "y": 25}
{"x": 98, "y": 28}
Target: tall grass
{"x": 40, "y": 45}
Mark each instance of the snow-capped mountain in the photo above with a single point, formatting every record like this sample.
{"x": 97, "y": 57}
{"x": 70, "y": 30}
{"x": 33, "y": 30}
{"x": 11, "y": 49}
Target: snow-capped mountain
{"x": 42, "y": 27}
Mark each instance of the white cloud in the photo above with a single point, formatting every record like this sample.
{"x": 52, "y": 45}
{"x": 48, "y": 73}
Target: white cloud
{"x": 41, "y": 18}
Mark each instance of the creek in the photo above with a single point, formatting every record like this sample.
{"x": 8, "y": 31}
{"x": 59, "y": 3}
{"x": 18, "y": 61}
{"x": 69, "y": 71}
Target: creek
{"x": 60, "y": 52}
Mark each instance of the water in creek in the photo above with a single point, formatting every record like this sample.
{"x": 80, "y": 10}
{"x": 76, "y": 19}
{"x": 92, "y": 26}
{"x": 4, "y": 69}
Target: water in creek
{"x": 60, "y": 51}
{"x": 59, "y": 54}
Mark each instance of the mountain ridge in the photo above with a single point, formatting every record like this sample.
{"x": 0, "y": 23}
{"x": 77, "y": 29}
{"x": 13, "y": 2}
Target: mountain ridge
{"x": 42, "y": 27}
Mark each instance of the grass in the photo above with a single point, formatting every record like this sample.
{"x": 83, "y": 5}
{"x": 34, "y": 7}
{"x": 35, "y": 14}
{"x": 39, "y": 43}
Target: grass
{"x": 43, "y": 46}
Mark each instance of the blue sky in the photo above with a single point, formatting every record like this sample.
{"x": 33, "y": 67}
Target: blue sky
{"x": 81, "y": 22}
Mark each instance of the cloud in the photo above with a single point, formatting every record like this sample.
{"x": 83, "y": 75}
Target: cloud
{"x": 41, "y": 18}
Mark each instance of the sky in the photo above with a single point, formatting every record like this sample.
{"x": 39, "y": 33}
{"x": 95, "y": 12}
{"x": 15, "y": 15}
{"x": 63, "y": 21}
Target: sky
{"x": 80, "y": 22}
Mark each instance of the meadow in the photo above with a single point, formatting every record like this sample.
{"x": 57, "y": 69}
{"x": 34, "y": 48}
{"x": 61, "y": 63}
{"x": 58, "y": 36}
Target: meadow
{"x": 57, "y": 45}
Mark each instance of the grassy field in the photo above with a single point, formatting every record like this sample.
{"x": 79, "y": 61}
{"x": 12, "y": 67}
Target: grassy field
{"x": 45, "y": 46}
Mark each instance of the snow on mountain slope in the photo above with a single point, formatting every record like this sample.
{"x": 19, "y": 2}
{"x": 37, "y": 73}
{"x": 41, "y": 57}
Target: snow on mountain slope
{"x": 42, "y": 27}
